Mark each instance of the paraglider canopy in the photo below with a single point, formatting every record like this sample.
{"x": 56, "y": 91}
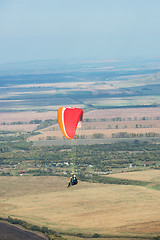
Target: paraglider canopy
{"x": 69, "y": 120}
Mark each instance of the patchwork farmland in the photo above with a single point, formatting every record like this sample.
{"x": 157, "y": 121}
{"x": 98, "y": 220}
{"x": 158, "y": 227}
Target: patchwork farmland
{"x": 118, "y": 191}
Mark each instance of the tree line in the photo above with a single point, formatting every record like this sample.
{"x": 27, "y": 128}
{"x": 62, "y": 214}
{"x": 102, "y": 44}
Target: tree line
{"x": 101, "y": 156}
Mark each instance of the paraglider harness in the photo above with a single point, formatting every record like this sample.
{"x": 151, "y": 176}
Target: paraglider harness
{"x": 73, "y": 181}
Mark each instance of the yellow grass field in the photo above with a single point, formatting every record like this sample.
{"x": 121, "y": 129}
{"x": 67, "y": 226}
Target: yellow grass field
{"x": 148, "y": 175}
{"x": 85, "y": 208}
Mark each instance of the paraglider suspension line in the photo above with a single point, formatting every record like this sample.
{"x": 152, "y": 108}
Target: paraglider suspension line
{"x": 73, "y": 154}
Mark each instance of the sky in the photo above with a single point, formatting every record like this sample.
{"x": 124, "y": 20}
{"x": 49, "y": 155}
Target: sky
{"x": 55, "y": 29}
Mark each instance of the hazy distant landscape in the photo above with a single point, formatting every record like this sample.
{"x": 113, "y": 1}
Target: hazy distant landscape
{"x": 115, "y": 153}
{"x": 91, "y": 84}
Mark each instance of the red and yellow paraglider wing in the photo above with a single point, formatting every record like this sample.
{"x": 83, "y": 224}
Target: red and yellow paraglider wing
{"x": 68, "y": 119}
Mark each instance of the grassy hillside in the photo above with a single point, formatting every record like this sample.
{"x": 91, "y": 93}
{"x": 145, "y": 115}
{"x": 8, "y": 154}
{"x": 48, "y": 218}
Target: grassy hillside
{"x": 87, "y": 208}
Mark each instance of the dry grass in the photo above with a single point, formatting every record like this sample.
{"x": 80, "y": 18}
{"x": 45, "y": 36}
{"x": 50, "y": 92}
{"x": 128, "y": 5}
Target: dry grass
{"x": 86, "y": 208}
{"x": 148, "y": 175}
{"x": 80, "y": 238}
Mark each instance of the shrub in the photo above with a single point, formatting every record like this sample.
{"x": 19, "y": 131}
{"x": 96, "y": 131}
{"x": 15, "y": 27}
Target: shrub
{"x": 96, "y": 235}
{"x": 80, "y": 235}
